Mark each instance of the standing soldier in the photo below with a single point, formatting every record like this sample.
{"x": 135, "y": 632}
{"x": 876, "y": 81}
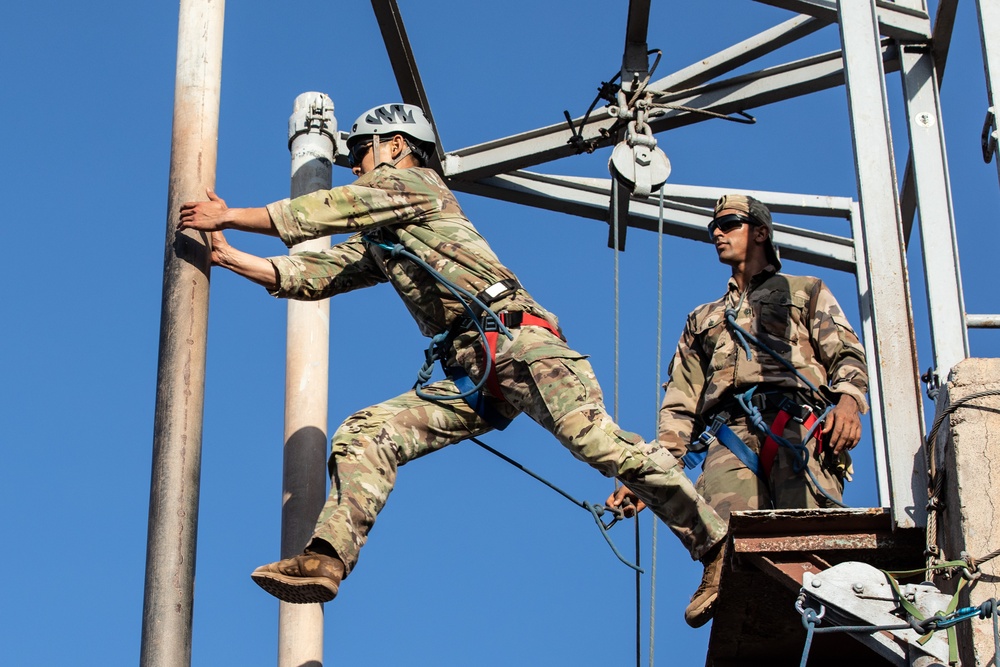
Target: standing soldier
{"x": 503, "y": 353}
{"x": 765, "y": 387}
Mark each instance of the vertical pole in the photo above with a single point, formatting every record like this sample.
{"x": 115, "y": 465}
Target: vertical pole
{"x": 311, "y": 131}
{"x": 949, "y": 337}
{"x": 173, "y": 500}
{"x": 989, "y": 29}
{"x": 874, "y": 389}
{"x": 895, "y": 359}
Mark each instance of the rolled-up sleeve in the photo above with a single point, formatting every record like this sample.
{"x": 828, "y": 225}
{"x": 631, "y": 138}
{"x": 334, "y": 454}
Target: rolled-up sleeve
{"x": 309, "y": 276}
{"x": 838, "y": 347}
{"x": 683, "y": 393}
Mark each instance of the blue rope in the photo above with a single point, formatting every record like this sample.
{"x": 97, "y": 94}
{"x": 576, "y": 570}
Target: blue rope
{"x": 432, "y": 354}
{"x": 800, "y": 463}
{"x": 743, "y": 335}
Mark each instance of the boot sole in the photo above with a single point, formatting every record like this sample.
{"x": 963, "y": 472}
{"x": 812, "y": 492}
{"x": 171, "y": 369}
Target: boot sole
{"x": 296, "y": 590}
{"x": 703, "y": 616}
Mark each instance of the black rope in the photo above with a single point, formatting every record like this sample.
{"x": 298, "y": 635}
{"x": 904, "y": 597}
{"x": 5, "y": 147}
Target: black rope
{"x": 597, "y": 511}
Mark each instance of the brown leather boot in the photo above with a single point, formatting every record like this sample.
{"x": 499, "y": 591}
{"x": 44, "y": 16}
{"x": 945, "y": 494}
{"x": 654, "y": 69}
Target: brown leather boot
{"x": 702, "y": 606}
{"x": 308, "y": 577}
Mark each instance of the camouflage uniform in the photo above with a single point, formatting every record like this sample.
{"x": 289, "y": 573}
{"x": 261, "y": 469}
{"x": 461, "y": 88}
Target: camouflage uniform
{"x": 798, "y": 318}
{"x": 538, "y": 373}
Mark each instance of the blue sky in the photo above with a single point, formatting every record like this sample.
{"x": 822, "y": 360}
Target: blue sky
{"x": 472, "y": 562}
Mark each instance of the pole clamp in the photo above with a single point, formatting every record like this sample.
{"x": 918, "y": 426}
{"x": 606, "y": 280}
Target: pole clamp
{"x": 315, "y": 117}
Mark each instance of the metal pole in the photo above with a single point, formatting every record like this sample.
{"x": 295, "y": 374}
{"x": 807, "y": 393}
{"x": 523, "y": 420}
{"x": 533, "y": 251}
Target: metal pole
{"x": 874, "y": 389}
{"x": 895, "y": 359}
{"x": 173, "y": 499}
{"x": 311, "y": 132}
{"x": 943, "y": 278}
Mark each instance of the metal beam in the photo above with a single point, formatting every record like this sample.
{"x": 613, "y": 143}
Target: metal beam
{"x": 983, "y": 321}
{"x": 588, "y": 198}
{"x": 635, "y": 59}
{"x": 740, "y": 54}
{"x": 895, "y": 359}
{"x": 404, "y": 66}
{"x": 944, "y": 22}
{"x": 949, "y": 339}
{"x": 879, "y": 445}
{"x": 894, "y": 20}
{"x": 774, "y": 84}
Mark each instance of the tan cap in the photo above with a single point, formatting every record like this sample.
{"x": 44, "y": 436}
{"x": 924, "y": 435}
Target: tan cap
{"x": 757, "y": 212}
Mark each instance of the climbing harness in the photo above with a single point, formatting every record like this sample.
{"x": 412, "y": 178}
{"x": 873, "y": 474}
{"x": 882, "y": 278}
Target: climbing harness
{"x": 437, "y": 349}
{"x": 788, "y": 410}
{"x": 490, "y": 326}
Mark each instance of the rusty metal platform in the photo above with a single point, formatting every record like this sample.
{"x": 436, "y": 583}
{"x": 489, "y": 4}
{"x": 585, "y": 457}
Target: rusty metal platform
{"x": 755, "y": 620}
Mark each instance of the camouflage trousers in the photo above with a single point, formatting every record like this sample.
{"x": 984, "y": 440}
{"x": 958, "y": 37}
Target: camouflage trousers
{"x": 540, "y": 376}
{"x": 729, "y": 486}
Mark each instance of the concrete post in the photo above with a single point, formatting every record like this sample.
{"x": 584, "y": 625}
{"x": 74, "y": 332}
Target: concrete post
{"x": 311, "y": 139}
{"x": 180, "y": 384}
{"x": 967, "y": 450}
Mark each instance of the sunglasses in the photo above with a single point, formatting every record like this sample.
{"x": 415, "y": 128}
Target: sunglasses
{"x": 727, "y": 223}
{"x": 358, "y": 152}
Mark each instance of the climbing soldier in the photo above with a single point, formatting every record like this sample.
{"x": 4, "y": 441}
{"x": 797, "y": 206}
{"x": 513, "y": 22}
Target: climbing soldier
{"x": 765, "y": 388}
{"x": 502, "y": 352}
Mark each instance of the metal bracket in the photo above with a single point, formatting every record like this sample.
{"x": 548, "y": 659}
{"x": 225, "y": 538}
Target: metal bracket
{"x": 316, "y": 118}
{"x": 989, "y": 136}
{"x": 859, "y": 594}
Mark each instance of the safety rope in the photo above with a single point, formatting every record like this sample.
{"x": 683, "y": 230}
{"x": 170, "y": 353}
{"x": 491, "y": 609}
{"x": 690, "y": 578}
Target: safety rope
{"x": 945, "y": 619}
{"x": 597, "y": 511}
{"x": 936, "y": 481}
{"x": 801, "y": 462}
{"x": 925, "y": 627}
{"x": 438, "y": 341}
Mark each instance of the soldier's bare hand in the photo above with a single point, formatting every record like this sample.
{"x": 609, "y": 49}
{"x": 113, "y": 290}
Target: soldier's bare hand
{"x": 220, "y": 249}
{"x": 843, "y": 425}
{"x": 204, "y": 216}
{"x": 625, "y": 498}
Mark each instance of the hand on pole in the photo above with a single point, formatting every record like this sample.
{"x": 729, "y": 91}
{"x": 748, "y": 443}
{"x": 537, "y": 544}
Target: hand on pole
{"x": 204, "y": 216}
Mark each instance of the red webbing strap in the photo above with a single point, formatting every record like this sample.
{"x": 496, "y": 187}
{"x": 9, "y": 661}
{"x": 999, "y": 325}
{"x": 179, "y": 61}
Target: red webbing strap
{"x": 770, "y": 448}
{"x": 527, "y": 319}
{"x": 493, "y": 382}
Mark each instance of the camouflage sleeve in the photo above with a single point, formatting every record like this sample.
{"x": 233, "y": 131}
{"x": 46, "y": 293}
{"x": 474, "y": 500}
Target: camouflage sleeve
{"x": 381, "y": 197}
{"x": 679, "y": 409}
{"x": 837, "y": 346}
{"x": 309, "y": 276}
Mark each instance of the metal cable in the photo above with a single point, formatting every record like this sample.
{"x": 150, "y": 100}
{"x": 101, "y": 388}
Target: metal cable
{"x": 656, "y": 422}
{"x": 617, "y": 345}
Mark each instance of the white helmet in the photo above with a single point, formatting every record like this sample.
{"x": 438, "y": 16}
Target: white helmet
{"x": 390, "y": 119}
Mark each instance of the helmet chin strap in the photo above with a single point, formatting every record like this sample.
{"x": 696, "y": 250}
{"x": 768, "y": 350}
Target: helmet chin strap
{"x": 399, "y": 157}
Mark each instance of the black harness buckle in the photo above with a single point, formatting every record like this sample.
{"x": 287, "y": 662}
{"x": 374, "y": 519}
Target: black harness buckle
{"x": 797, "y": 412}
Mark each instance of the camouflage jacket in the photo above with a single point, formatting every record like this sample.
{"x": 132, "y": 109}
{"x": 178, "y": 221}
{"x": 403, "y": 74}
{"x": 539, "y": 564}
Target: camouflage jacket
{"x": 796, "y": 316}
{"x": 409, "y": 206}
